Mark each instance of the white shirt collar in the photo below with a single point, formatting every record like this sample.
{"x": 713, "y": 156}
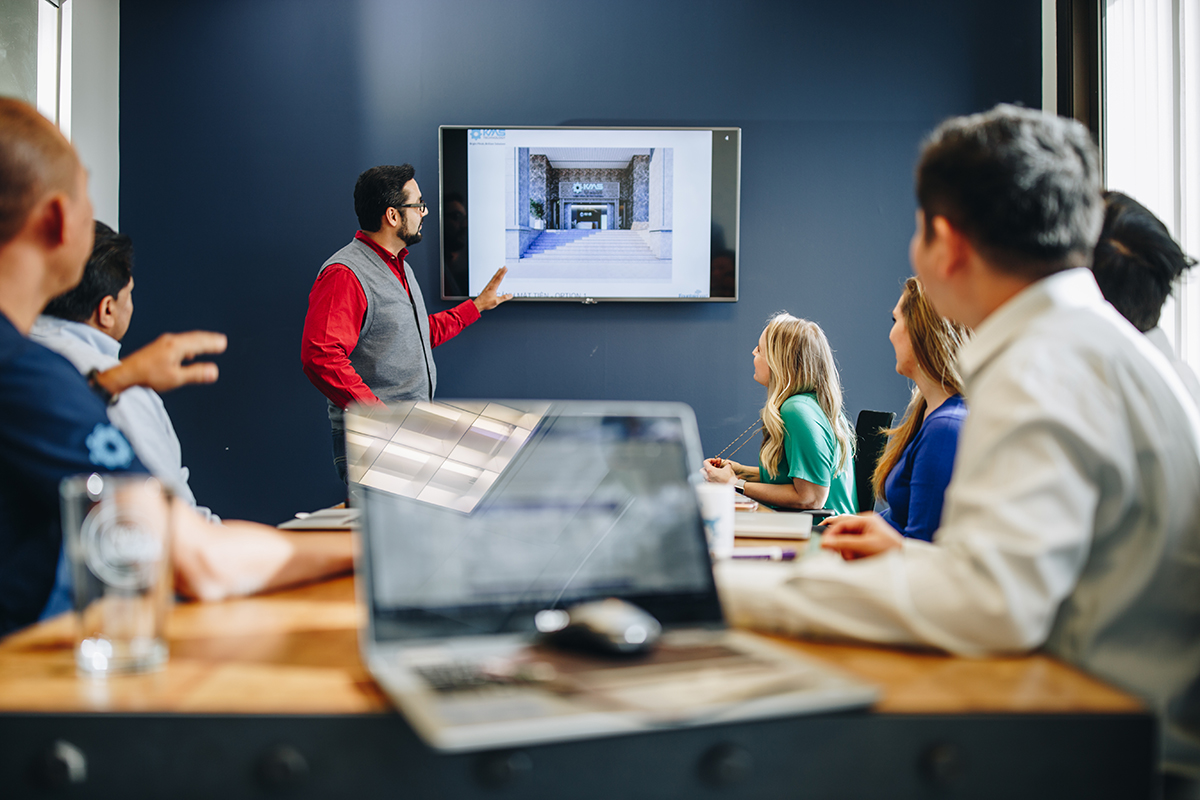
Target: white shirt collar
{"x": 1072, "y": 288}
{"x": 46, "y": 325}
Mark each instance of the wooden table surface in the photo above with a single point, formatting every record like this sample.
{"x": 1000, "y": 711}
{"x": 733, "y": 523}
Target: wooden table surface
{"x": 296, "y": 652}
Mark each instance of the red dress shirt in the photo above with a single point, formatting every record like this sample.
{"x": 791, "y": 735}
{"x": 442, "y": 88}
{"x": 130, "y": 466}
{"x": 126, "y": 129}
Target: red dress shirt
{"x": 336, "y": 308}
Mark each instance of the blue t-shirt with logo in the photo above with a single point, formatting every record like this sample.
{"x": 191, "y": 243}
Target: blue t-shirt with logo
{"x": 52, "y": 426}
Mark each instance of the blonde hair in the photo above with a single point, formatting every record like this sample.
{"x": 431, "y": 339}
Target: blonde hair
{"x": 800, "y": 361}
{"x": 935, "y": 343}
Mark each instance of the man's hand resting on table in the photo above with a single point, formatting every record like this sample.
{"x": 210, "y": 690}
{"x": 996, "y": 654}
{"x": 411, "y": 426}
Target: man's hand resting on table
{"x": 859, "y": 536}
{"x": 489, "y": 298}
{"x": 162, "y": 364}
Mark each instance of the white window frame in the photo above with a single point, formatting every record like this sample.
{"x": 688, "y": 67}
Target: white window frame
{"x": 1151, "y": 84}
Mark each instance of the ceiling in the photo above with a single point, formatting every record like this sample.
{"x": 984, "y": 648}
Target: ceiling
{"x": 590, "y": 157}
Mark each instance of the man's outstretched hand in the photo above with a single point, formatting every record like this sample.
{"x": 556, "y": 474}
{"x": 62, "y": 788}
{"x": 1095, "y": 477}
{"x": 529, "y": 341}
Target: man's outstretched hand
{"x": 163, "y": 364}
{"x": 488, "y": 298}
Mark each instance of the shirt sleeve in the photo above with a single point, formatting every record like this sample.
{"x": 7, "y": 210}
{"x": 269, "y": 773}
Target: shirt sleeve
{"x": 807, "y": 444}
{"x": 57, "y": 426}
{"x": 52, "y": 427}
{"x": 933, "y": 462}
{"x": 1016, "y": 532}
{"x": 336, "y": 307}
{"x": 446, "y": 325}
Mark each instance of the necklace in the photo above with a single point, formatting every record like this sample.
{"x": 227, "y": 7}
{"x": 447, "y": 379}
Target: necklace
{"x": 744, "y": 433}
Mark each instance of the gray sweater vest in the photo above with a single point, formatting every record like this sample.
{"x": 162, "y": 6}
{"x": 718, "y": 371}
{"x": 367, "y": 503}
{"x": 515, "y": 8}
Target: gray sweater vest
{"x": 393, "y": 356}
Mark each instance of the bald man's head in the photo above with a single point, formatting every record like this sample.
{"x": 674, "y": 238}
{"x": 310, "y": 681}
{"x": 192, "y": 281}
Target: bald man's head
{"x": 35, "y": 160}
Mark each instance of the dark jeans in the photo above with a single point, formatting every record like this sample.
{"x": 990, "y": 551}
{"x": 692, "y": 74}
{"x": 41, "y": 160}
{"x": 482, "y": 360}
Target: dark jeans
{"x": 339, "y": 449}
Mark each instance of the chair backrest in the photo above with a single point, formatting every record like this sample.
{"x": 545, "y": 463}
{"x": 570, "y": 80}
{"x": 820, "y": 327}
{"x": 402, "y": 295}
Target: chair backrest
{"x": 871, "y": 440}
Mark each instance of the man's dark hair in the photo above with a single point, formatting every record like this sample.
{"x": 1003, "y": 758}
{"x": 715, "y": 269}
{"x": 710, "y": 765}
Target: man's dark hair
{"x": 1136, "y": 260}
{"x": 377, "y": 190}
{"x": 1022, "y": 186}
{"x": 108, "y": 271}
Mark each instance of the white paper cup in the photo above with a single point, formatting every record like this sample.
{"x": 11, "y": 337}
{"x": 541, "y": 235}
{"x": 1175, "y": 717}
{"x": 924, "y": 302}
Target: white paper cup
{"x": 716, "y": 509}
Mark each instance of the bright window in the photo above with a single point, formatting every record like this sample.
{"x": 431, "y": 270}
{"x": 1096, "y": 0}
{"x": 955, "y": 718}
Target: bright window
{"x": 1152, "y": 133}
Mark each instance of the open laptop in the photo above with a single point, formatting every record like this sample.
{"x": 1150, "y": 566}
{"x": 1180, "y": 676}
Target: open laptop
{"x": 475, "y": 516}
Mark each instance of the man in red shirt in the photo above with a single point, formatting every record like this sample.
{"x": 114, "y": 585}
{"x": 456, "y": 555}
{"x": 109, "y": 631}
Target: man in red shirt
{"x": 367, "y": 337}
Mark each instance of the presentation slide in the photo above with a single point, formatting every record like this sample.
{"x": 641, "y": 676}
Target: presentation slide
{"x": 590, "y": 213}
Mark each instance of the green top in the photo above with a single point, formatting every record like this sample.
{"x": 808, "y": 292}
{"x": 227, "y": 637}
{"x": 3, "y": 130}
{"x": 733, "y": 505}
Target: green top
{"x": 810, "y": 453}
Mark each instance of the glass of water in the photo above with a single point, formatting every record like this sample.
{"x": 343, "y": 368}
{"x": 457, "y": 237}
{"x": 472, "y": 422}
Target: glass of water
{"x": 117, "y": 530}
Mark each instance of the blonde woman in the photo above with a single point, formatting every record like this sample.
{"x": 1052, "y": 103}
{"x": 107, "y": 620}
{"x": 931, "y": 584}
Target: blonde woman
{"x": 915, "y": 467}
{"x": 807, "y": 454}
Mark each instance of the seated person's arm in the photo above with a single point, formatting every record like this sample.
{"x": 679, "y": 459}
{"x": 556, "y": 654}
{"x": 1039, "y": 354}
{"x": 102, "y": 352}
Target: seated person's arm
{"x": 213, "y": 562}
{"x": 810, "y": 462}
{"x": 860, "y": 535}
{"x": 799, "y": 494}
{"x": 161, "y": 365}
{"x": 933, "y": 463}
{"x": 718, "y": 470}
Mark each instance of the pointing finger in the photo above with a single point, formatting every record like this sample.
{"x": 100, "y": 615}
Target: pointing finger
{"x": 194, "y": 343}
{"x": 200, "y": 372}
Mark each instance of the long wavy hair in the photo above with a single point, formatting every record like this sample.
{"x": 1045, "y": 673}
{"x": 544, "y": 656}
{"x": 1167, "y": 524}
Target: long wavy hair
{"x": 935, "y": 343}
{"x": 800, "y": 361}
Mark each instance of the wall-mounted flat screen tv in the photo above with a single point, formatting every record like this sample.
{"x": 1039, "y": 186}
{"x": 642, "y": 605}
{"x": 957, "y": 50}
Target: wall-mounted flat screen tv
{"x": 590, "y": 214}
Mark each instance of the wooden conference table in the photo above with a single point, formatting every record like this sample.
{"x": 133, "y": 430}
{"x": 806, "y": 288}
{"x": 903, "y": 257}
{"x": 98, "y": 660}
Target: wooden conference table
{"x": 267, "y": 697}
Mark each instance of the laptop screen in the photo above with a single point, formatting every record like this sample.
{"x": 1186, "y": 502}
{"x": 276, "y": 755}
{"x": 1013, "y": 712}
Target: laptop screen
{"x": 477, "y": 515}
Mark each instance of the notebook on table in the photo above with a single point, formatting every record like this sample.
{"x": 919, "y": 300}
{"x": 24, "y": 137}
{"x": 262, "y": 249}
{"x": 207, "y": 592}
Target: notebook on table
{"x": 475, "y": 516}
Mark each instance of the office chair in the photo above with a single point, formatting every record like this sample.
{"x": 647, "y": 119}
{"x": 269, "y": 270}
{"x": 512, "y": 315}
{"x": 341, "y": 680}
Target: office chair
{"x": 871, "y": 439}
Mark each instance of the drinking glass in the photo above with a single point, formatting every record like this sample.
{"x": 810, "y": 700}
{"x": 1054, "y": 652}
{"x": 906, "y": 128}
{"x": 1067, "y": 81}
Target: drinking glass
{"x": 117, "y": 529}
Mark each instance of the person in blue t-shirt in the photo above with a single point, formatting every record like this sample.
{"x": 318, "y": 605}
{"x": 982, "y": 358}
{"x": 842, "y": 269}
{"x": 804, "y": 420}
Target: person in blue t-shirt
{"x": 807, "y": 454}
{"x": 52, "y": 419}
{"x": 914, "y": 470}
{"x": 52, "y": 427}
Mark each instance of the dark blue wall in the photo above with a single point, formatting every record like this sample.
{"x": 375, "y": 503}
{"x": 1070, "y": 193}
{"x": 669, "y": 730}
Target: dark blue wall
{"x": 245, "y": 122}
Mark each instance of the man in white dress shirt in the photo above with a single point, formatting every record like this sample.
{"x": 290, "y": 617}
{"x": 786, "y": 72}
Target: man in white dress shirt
{"x": 85, "y": 325}
{"x": 1072, "y": 520}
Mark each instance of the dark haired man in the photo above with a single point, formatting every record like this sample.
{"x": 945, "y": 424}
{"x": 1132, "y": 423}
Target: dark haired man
{"x": 1072, "y": 520}
{"x": 1136, "y": 264}
{"x": 367, "y": 337}
{"x": 52, "y": 420}
{"x": 85, "y": 325}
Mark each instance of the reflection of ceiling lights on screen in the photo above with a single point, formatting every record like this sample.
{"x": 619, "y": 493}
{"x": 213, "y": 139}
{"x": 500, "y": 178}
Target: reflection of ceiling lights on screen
{"x": 437, "y": 453}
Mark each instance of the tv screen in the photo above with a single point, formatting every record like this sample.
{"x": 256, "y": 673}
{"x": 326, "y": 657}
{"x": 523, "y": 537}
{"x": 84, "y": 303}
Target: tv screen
{"x": 589, "y": 214}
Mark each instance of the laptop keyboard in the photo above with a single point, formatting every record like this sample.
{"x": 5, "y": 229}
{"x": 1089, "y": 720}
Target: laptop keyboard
{"x": 457, "y": 676}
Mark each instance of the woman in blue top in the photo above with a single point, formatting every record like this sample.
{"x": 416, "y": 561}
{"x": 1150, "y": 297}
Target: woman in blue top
{"x": 806, "y": 458}
{"x": 915, "y": 467}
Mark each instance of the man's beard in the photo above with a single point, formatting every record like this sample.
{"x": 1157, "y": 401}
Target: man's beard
{"x": 410, "y": 238}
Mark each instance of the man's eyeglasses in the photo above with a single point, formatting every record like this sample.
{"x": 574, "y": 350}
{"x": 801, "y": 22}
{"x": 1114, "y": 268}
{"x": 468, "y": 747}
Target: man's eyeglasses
{"x": 419, "y": 206}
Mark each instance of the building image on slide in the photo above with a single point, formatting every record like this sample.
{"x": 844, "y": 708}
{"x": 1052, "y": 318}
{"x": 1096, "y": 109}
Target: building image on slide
{"x": 589, "y": 212}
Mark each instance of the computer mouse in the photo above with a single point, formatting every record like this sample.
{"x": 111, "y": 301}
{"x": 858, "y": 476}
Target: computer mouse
{"x": 612, "y": 627}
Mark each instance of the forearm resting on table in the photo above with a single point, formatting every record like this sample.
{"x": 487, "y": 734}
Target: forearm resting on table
{"x": 213, "y": 562}
{"x": 744, "y": 472}
{"x": 798, "y": 494}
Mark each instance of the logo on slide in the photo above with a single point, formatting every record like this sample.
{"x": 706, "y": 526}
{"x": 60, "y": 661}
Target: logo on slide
{"x": 487, "y": 133}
